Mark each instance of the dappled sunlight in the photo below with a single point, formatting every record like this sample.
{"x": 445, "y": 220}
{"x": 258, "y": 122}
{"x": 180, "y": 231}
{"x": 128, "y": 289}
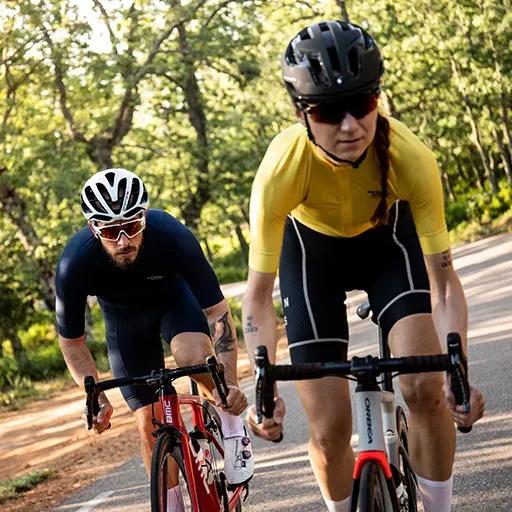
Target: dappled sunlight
{"x": 491, "y": 329}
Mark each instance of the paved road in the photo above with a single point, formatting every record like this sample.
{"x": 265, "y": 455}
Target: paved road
{"x": 483, "y": 471}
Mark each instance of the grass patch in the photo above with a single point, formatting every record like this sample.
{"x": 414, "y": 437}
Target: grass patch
{"x": 13, "y": 487}
{"x": 26, "y": 391}
{"x": 472, "y": 230}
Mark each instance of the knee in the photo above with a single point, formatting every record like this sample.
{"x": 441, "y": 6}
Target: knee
{"x": 188, "y": 350}
{"x": 145, "y": 426}
{"x": 423, "y": 393}
{"x": 330, "y": 440}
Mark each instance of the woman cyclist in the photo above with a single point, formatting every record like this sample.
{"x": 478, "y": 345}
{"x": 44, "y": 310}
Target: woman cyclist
{"x": 350, "y": 199}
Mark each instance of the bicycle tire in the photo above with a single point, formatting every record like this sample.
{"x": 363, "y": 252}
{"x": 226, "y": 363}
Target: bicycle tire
{"x": 408, "y": 500}
{"x": 167, "y": 453}
{"x": 373, "y": 495}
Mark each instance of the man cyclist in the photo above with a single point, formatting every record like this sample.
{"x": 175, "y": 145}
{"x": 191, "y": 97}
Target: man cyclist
{"x": 349, "y": 198}
{"x": 151, "y": 279}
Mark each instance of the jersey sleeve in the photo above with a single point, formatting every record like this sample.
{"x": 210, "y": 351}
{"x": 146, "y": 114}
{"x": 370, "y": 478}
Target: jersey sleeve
{"x": 71, "y": 297}
{"x": 279, "y": 186}
{"x": 196, "y": 271}
{"x": 426, "y": 200}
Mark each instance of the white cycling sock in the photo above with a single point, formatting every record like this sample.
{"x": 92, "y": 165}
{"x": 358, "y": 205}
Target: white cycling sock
{"x": 231, "y": 425}
{"x": 338, "y": 506}
{"x": 175, "y": 500}
{"x": 437, "y": 496}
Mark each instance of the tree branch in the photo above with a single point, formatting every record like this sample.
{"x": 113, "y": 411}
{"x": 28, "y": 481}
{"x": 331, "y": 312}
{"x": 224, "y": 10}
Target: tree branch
{"x": 59, "y": 83}
{"x": 124, "y": 117}
{"x": 113, "y": 39}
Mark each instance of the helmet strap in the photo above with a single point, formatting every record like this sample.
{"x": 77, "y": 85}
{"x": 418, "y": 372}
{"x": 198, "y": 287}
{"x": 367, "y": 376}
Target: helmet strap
{"x": 354, "y": 163}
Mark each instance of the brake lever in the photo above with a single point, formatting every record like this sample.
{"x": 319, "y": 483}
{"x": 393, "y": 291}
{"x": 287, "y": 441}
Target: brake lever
{"x": 264, "y": 388}
{"x": 459, "y": 375}
{"x": 92, "y": 406}
{"x": 216, "y": 370}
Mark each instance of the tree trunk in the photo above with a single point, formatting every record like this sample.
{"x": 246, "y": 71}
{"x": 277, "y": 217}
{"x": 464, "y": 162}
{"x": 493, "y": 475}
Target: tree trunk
{"x": 344, "y": 12}
{"x": 477, "y": 141}
{"x": 505, "y": 157}
{"x": 20, "y": 354}
{"x": 245, "y": 215}
{"x": 505, "y": 124}
{"x": 15, "y": 209}
{"x": 209, "y": 252}
{"x": 448, "y": 186}
{"x": 191, "y": 210}
{"x": 244, "y": 246}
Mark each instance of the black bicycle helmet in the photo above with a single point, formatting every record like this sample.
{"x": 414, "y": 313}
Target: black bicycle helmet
{"x": 331, "y": 59}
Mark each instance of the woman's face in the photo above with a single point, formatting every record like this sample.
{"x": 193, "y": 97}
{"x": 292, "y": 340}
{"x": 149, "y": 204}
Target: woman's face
{"x": 349, "y": 138}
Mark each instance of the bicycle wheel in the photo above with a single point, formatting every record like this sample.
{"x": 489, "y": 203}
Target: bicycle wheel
{"x": 373, "y": 495}
{"x": 407, "y": 495}
{"x": 167, "y": 463}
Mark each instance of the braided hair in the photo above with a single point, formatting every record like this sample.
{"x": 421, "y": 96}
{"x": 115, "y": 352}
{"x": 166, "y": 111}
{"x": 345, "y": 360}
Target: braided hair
{"x": 380, "y": 216}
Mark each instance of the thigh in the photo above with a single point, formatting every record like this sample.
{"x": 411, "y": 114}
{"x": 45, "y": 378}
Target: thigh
{"x": 312, "y": 296}
{"x": 327, "y": 405}
{"x": 134, "y": 348}
{"x": 181, "y": 313}
{"x": 399, "y": 286}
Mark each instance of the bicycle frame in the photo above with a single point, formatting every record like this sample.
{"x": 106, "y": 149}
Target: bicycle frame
{"x": 202, "y": 484}
{"x": 207, "y": 493}
{"x": 373, "y": 410}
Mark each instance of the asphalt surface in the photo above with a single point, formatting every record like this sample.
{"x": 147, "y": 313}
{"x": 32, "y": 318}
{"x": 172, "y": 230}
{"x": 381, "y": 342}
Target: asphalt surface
{"x": 483, "y": 469}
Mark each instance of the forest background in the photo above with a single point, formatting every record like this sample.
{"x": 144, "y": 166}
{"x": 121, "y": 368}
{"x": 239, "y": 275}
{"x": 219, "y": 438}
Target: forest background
{"x": 188, "y": 94}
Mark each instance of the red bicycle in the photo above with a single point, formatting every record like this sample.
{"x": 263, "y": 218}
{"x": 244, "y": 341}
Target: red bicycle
{"x": 191, "y": 457}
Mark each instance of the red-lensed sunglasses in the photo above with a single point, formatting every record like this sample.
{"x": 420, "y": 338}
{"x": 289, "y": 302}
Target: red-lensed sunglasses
{"x": 112, "y": 232}
{"x": 333, "y": 111}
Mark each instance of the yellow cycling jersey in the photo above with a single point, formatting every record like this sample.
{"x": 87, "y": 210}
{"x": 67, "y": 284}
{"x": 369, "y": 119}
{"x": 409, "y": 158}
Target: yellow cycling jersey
{"x": 339, "y": 200}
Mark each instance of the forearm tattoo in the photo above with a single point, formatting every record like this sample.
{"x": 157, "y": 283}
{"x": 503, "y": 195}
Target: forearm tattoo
{"x": 222, "y": 335}
{"x": 446, "y": 259}
{"x": 249, "y": 328}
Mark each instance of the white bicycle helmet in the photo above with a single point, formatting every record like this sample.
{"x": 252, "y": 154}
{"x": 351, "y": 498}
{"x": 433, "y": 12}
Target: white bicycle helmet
{"x": 113, "y": 195}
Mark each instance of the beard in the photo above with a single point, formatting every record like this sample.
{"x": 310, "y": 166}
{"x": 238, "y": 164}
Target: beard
{"x": 122, "y": 262}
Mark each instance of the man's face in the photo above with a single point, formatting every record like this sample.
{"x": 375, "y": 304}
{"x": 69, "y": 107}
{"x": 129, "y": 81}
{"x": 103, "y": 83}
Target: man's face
{"x": 125, "y": 250}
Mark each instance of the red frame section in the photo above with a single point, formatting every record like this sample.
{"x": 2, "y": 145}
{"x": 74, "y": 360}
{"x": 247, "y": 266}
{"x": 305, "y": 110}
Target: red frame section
{"x": 375, "y": 456}
{"x": 204, "y": 495}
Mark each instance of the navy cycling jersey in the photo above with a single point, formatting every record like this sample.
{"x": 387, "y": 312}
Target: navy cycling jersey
{"x": 169, "y": 255}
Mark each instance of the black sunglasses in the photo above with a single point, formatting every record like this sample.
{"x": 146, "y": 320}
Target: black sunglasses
{"x": 333, "y": 111}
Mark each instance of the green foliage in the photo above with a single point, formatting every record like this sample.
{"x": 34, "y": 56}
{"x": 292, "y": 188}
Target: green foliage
{"x": 13, "y": 487}
{"x": 230, "y": 268}
{"x": 193, "y": 111}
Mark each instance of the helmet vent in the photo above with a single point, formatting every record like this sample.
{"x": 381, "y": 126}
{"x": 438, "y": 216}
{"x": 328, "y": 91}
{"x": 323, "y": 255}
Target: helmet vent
{"x": 335, "y": 61}
{"x": 134, "y": 194}
{"x": 94, "y": 201}
{"x": 317, "y": 71}
{"x": 110, "y": 178}
{"x": 353, "y": 61}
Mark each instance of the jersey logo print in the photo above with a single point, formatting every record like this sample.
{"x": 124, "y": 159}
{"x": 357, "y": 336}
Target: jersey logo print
{"x": 154, "y": 278}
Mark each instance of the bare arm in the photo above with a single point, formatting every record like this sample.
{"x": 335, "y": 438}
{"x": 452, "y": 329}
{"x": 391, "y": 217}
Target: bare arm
{"x": 80, "y": 363}
{"x": 258, "y": 316}
{"x": 450, "y": 314}
{"x": 223, "y": 334}
{"x": 449, "y": 309}
{"x": 260, "y": 328}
